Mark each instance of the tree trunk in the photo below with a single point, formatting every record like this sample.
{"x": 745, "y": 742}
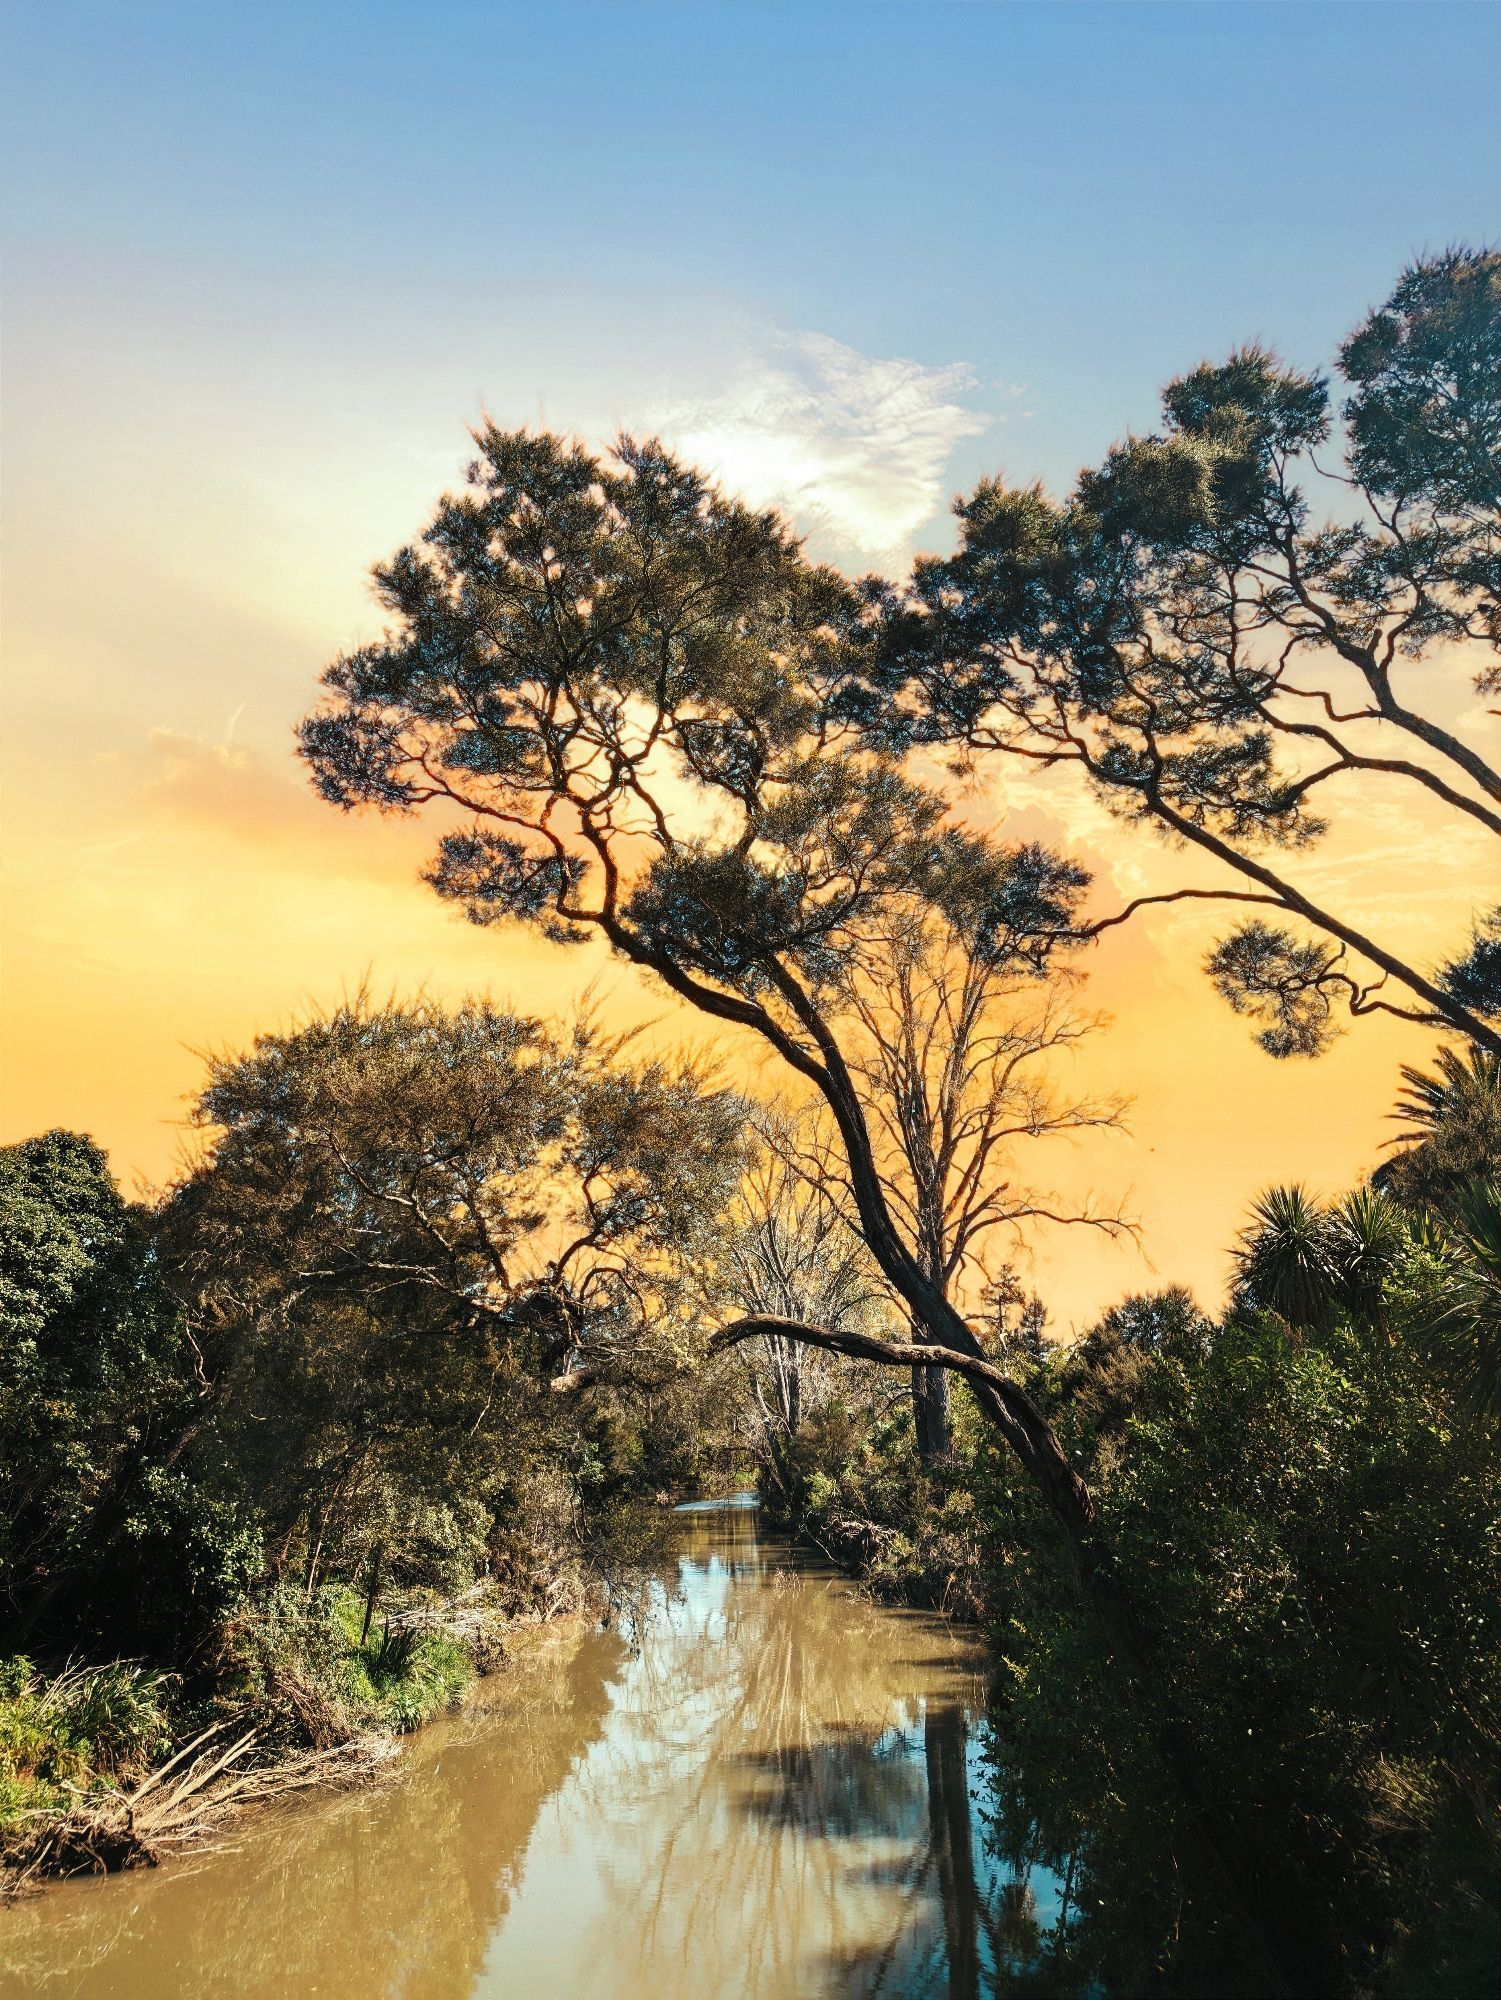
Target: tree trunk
{"x": 375, "y": 1563}
{"x": 793, "y": 1389}
{"x": 930, "y": 1414}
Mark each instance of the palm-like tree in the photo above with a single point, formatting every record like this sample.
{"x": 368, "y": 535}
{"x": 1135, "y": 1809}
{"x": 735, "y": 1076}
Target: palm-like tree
{"x": 1451, "y": 1136}
{"x": 1285, "y": 1260}
{"x": 1313, "y": 1265}
{"x": 1368, "y": 1242}
{"x": 1463, "y": 1316}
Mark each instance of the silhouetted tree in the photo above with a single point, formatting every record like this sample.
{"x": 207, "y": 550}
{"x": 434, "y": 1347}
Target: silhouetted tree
{"x": 1451, "y": 1119}
{"x": 412, "y": 1229}
{"x": 1223, "y": 665}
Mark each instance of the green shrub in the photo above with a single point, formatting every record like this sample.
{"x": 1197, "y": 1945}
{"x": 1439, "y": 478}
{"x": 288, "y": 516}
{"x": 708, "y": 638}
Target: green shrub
{"x": 299, "y": 1664}
{"x": 1312, "y": 1533}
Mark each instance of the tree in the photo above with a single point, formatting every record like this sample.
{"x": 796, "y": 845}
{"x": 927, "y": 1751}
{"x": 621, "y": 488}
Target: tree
{"x": 1452, "y": 1129}
{"x": 1314, "y": 1525}
{"x": 1432, "y": 1280}
{"x": 100, "y": 1394}
{"x": 1462, "y": 1316}
{"x": 1221, "y": 665}
{"x": 410, "y": 1231}
{"x": 951, "y": 1061}
{"x": 1310, "y": 1264}
{"x": 622, "y": 678}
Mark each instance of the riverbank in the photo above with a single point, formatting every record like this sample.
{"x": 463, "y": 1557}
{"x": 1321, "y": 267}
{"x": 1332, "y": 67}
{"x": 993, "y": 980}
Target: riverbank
{"x": 112, "y": 1767}
{"x": 909, "y": 1535}
{"x": 763, "y": 1786}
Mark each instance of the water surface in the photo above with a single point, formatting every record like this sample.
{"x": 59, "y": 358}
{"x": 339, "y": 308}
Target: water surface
{"x": 767, "y": 1787}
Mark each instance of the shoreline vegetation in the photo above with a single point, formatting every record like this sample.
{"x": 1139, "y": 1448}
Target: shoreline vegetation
{"x": 98, "y": 1773}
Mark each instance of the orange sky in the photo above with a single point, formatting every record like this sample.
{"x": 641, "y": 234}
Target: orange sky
{"x": 265, "y": 265}
{"x": 172, "y": 884}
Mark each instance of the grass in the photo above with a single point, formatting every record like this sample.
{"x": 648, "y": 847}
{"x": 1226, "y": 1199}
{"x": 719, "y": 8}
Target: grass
{"x": 297, "y": 1665}
{"x": 399, "y": 1678}
{"x": 89, "y": 1777}
{"x": 85, "y": 1730}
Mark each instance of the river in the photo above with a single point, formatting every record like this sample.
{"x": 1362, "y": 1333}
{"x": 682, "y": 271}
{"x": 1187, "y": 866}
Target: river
{"x": 766, "y": 1788}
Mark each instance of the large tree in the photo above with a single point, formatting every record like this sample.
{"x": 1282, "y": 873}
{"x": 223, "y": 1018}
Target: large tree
{"x": 1226, "y": 664}
{"x": 409, "y": 1225}
{"x": 621, "y": 679}
{"x": 957, "y": 1067}
{"x": 101, "y": 1392}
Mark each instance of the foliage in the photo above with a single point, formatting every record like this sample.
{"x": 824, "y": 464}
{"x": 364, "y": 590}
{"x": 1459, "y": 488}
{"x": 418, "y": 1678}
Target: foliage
{"x": 1311, "y": 1525}
{"x": 1219, "y": 663}
{"x": 313, "y": 1427}
{"x": 1452, "y": 1135}
{"x": 306, "y": 1668}
{"x": 81, "y": 1730}
{"x": 408, "y": 1223}
{"x": 853, "y": 1486}
{"x": 100, "y": 1390}
{"x": 625, "y": 680}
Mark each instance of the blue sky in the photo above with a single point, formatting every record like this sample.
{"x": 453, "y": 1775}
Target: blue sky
{"x": 1072, "y": 200}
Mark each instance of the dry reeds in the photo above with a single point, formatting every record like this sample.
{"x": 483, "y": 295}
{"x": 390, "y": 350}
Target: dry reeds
{"x": 180, "y": 1804}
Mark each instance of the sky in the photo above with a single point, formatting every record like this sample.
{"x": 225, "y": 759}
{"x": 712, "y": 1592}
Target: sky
{"x": 264, "y": 267}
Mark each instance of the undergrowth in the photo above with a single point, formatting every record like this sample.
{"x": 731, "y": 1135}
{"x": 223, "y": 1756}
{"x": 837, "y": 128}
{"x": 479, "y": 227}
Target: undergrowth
{"x": 299, "y": 1665}
{"x": 82, "y": 1731}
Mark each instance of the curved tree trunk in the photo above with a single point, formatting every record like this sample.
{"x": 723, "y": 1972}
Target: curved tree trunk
{"x": 1023, "y": 1426}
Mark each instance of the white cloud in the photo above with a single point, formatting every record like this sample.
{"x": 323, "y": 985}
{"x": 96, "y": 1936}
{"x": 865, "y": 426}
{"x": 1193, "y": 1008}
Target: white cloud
{"x": 853, "y": 448}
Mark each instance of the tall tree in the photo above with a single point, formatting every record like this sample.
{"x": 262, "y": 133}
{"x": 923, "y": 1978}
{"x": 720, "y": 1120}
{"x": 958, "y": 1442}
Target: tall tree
{"x": 1227, "y": 667}
{"x": 621, "y": 678}
{"x": 954, "y": 1061}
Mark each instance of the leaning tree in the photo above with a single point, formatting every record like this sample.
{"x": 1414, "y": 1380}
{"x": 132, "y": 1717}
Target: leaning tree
{"x": 626, "y": 684}
{"x": 1227, "y": 664}
{"x": 954, "y": 1061}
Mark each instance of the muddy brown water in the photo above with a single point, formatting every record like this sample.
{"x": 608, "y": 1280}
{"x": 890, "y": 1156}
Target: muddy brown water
{"x": 767, "y": 1787}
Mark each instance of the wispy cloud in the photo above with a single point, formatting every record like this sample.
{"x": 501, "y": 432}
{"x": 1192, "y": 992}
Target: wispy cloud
{"x": 852, "y": 447}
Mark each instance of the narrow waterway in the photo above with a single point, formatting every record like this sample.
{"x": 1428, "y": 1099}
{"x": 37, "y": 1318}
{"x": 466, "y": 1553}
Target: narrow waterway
{"x": 766, "y": 1787}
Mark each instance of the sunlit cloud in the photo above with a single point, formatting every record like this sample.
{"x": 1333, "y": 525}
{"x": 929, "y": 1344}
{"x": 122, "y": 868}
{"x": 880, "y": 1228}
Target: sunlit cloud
{"x": 852, "y": 447}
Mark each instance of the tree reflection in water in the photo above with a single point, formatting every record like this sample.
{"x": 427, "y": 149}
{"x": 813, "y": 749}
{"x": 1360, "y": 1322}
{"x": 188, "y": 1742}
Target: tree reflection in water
{"x": 761, "y": 1788}
{"x": 829, "y": 1809}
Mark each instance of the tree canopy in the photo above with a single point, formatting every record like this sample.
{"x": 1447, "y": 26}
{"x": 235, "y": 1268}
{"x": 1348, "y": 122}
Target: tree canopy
{"x": 1224, "y": 661}
{"x": 627, "y": 680}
